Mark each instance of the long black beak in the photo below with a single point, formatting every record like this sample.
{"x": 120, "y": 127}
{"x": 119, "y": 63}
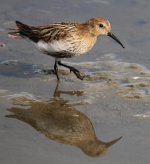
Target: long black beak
{"x": 115, "y": 38}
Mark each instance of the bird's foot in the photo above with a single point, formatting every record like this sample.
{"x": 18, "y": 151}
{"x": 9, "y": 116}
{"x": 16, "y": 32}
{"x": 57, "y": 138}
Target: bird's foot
{"x": 78, "y": 74}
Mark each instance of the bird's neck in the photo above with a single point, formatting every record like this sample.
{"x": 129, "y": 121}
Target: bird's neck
{"x": 90, "y": 29}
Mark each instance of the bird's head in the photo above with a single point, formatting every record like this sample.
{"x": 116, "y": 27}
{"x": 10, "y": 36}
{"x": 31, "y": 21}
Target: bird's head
{"x": 101, "y": 26}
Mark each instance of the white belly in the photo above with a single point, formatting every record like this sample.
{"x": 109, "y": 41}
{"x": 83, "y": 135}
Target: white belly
{"x": 54, "y": 46}
{"x": 63, "y": 46}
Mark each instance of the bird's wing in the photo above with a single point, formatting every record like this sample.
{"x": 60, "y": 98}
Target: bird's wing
{"x": 58, "y": 31}
{"x": 52, "y": 38}
{"x": 56, "y": 38}
{"x": 47, "y": 33}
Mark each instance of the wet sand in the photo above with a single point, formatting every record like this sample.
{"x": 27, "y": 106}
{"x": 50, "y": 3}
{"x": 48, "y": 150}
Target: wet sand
{"x": 77, "y": 121}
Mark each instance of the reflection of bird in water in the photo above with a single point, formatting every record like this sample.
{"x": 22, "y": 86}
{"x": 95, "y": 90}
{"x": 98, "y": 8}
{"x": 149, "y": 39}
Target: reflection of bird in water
{"x": 61, "y": 122}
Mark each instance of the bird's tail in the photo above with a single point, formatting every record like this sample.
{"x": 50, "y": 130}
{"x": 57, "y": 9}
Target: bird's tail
{"x": 25, "y": 31}
{"x": 22, "y": 30}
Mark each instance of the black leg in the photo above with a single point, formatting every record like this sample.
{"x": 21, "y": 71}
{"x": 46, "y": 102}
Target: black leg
{"x": 72, "y": 69}
{"x": 56, "y": 69}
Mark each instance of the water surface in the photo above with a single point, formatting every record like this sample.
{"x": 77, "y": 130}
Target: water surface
{"x": 77, "y": 121}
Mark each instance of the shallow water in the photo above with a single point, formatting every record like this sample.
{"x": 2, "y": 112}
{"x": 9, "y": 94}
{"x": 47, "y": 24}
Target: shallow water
{"x": 42, "y": 122}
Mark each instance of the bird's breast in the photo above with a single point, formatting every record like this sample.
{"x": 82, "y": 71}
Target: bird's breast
{"x": 86, "y": 45}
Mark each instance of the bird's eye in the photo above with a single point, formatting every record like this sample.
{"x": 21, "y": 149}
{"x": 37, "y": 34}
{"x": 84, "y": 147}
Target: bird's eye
{"x": 101, "y": 25}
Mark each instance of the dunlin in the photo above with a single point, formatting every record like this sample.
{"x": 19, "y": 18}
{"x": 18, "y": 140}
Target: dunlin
{"x": 66, "y": 39}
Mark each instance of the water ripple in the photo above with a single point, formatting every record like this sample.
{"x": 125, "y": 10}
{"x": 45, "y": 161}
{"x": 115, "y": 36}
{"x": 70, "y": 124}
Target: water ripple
{"x": 131, "y": 80}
